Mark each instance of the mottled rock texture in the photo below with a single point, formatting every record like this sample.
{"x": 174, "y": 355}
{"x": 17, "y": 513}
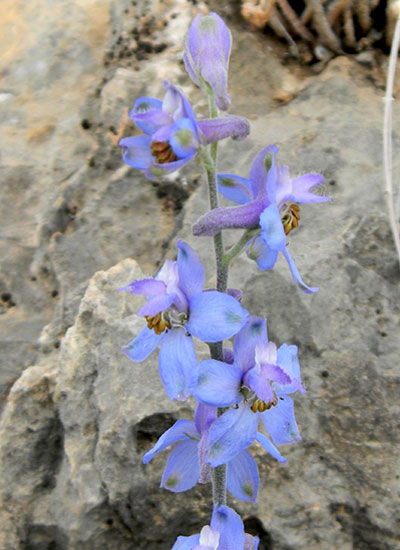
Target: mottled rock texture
{"x": 80, "y": 415}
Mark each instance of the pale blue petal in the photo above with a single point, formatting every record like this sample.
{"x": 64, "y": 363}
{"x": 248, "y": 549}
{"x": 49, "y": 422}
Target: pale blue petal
{"x": 216, "y": 383}
{"x": 272, "y": 228}
{"x": 191, "y": 270}
{"x": 176, "y": 362}
{"x": 263, "y": 166}
{"x": 156, "y": 171}
{"x": 141, "y": 346}
{"x": 234, "y": 188}
{"x": 228, "y": 356}
{"x": 269, "y": 447}
{"x": 144, "y": 105}
{"x": 156, "y": 305}
{"x": 215, "y": 316}
{"x": 230, "y": 527}
{"x": 232, "y": 432}
{"x": 250, "y": 542}
{"x": 289, "y": 361}
{"x": 261, "y": 253}
{"x": 186, "y": 543}
{"x": 253, "y": 332}
{"x": 204, "y": 417}
{"x": 183, "y": 137}
{"x": 274, "y": 373}
{"x": 235, "y": 293}
{"x": 181, "y": 430}
{"x": 148, "y": 115}
{"x": 152, "y": 122}
{"x": 163, "y": 133}
{"x": 280, "y": 422}
{"x": 259, "y": 384}
{"x": 298, "y": 281}
{"x": 137, "y": 151}
{"x": 176, "y": 103}
{"x": 283, "y": 184}
{"x": 147, "y": 287}
{"x": 242, "y": 477}
{"x": 301, "y": 188}
{"x": 182, "y": 469}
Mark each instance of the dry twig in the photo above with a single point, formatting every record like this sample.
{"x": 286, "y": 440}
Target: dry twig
{"x": 387, "y": 130}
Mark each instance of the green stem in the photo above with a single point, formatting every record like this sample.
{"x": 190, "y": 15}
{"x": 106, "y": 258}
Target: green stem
{"x": 238, "y": 247}
{"x": 213, "y": 113}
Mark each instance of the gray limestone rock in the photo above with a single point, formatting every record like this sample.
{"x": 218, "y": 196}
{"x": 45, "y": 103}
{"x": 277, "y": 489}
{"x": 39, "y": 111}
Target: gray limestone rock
{"x": 341, "y": 485}
{"x": 75, "y": 425}
{"x": 73, "y": 433}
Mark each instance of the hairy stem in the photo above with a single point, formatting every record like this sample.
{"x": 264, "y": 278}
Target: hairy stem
{"x": 212, "y": 106}
{"x": 222, "y": 270}
{"x": 218, "y": 479}
{"x": 238, "y": 247}
{"x": 218, "y": 474}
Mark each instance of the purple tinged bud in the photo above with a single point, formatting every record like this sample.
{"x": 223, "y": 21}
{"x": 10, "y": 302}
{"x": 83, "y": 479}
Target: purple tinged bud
{"x": 207, "y": 49}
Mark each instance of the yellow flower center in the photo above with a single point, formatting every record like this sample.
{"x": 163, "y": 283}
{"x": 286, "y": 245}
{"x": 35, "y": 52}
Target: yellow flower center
{"x": 261, "y": 406}
{"x": 290, "y": 215}
{"x": 159, "y": 323}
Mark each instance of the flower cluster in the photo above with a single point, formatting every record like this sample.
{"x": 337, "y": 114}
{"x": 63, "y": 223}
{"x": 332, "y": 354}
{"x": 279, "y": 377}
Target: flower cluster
{"x": 243, "y": 392}
{"x": 253, "y": 382}
{"x": 173, "y": 135}
{"x": 268, "y": 201}
{"x": 177, "y": 309}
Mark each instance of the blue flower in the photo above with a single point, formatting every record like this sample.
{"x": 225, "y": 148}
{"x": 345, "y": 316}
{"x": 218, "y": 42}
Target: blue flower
{"x": 225, "y": 532}
{"x": 254, "y": 387}
{"x": 176, "y": 309}
{"x": 172, "y": 133}
{"x": 268, "y": 200}
{"x": 186, "y": 464}
{"x": 207, "y": 49}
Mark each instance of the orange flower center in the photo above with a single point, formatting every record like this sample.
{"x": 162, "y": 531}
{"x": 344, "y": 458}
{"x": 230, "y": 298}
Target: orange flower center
{"x": 163, "y": 152}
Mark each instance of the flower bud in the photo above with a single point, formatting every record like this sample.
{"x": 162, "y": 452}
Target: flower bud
{"x": 207, "y": 48}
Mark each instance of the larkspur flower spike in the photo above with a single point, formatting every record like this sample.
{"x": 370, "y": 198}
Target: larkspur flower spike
{"x": 207, "y": 49}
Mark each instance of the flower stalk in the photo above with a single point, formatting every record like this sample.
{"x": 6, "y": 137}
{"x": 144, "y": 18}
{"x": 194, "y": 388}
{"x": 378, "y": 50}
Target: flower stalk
{"x": 237, "y": 248}
{"x": 218, "y": 474}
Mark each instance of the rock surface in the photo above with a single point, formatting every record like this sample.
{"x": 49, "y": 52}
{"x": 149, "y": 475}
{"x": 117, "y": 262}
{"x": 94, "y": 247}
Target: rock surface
{"x": 75, "y": 424}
